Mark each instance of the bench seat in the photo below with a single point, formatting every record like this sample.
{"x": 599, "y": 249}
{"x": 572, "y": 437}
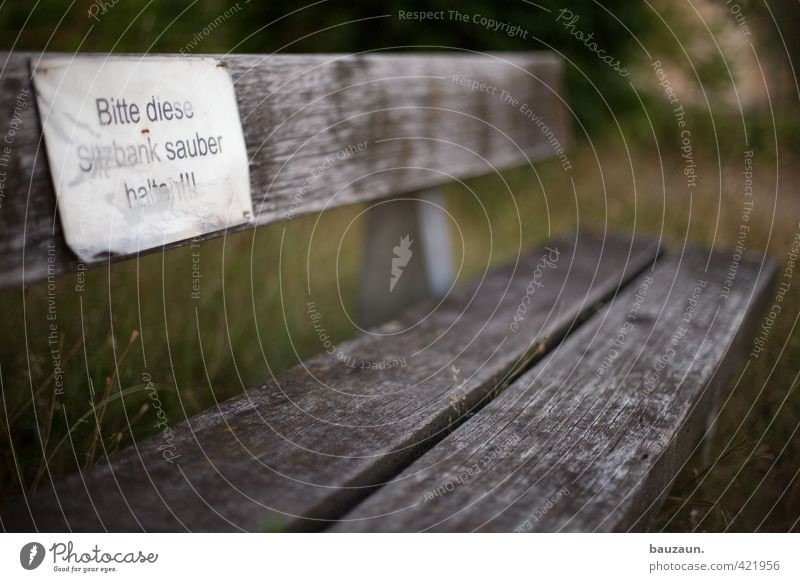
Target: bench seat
{"x": 308, "y": 446}
{"x": 591, "y": 438}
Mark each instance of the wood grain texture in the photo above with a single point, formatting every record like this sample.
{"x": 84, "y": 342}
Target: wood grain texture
{"x": 386, "y": 223}
{"x": 304, "y": 117}
{"x": 569, "y": 448}
{"x": 305, "y": 448}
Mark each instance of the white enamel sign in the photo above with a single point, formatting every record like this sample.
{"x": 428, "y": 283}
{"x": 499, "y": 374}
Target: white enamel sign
{"x": 142, "y": 152}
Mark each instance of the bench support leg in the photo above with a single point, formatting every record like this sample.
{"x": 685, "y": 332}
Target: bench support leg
{"x": 711, "y": 429}
{"x": 407, "y": 255}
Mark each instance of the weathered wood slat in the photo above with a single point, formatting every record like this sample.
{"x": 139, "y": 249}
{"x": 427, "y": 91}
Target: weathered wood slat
{"x": 418, "y": 220}
{"x": 417, "y": 126}
{"x": 590, "y": 438}
{"x": 305, "y": 448}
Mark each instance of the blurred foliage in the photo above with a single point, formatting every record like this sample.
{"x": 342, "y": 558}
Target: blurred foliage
{"x": 777, "y": 20}
{"x": 632, "y": 32}
{"x": 336, "y": 26}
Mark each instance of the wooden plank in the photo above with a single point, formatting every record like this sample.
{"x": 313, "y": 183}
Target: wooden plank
{"x": 591, "y": 438}
{"x": 411, "y": 233}
{"x": 306, "y": 447}
{"x": 436, "y": 223}
{"x": 321, "y": 131}
{"x": 383, "y": 295}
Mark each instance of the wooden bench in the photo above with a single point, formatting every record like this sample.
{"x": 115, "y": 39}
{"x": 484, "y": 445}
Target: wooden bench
{"x": 562, "y": 391}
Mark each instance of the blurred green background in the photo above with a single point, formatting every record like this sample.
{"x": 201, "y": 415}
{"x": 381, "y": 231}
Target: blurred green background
{"x": 739, "y": 90}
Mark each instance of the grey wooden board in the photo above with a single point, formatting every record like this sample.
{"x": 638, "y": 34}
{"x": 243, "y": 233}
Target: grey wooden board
{"x": 424, "y": 221}
{"x": 436, "y": 224}
{"x": 419, "y": 127}
{"x": 615, "y": 441}
{"x": 387, "y": 222}
{"x": 309, "y": 445}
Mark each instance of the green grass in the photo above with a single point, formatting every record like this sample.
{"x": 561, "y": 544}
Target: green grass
{"x": 250, "y": 322}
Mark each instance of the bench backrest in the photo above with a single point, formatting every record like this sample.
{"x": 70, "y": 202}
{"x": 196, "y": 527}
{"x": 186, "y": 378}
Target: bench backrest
{"x": 385, "y": 124}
